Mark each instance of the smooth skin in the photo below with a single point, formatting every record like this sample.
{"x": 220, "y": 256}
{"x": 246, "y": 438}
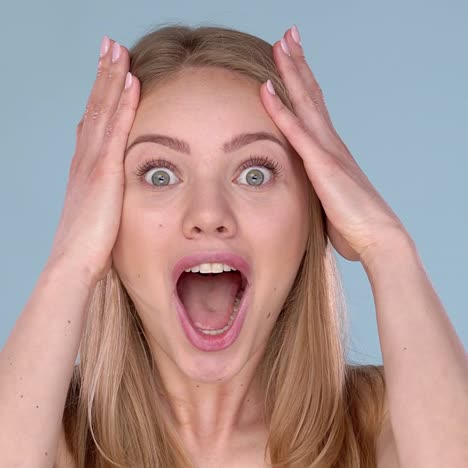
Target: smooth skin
{"x": 219, "y": 422}
{"x": 37, "y": 361}
{"x": 420, "y": 348}
{"x": 209, "y": 205}
{"x": 94, "y": 196}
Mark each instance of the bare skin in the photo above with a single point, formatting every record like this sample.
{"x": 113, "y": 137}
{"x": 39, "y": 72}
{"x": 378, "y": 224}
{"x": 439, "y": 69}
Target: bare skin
{"x": 208, "y": 205}
{"x": 214, "y": 400}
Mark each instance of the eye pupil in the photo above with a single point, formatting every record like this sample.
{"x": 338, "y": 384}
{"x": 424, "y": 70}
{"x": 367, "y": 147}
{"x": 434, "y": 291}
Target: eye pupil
{"x": 160, "y": 176}
{"x": 256, "y": 178}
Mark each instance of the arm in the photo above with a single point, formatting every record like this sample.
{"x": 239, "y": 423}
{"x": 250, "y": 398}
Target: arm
{"x": 36, "y": 366}
{"x": 425, "y": 363}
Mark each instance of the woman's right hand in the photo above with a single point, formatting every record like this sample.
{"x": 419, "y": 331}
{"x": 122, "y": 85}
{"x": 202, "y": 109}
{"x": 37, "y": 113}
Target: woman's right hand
{"x": 91, "y": 214}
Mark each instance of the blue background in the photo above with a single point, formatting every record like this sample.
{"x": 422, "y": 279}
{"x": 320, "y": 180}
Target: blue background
{"x": 394, "y": 75}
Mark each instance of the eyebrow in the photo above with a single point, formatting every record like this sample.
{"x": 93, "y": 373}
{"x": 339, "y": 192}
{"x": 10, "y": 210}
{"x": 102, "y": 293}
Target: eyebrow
{"x": 182, "y": 146}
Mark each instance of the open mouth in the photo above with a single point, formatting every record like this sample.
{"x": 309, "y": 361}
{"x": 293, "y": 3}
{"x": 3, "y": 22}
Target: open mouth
{"x": 212, "y": 307}
{"x": 211, "y": 301}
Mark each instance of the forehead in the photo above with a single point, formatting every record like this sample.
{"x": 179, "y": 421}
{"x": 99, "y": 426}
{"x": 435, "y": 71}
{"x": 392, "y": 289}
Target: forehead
{"x": 204, "y": 103}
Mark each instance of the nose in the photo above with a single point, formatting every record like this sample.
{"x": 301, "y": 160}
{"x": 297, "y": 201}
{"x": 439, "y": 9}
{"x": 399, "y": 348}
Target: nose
{"x": 209, "y": 214}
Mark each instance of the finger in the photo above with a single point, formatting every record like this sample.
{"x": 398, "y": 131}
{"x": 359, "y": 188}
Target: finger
{"x": 104, "y": 99}
{"x": 99, "y": 87}
{"x": 108, "y": 101}
{"x": 307, "y": 106}
{"x": 118, "y": 129}
{"x": 306, "y": 74}
{"x": 296, "y": 133}
{"x": 301, "y": 99}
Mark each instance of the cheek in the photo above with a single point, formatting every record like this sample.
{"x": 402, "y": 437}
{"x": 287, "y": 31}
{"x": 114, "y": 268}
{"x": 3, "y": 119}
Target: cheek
{"x": 141, "y": 236}
{"x": 280, "y": 224}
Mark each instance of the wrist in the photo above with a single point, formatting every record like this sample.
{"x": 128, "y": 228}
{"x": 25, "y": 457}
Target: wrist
{"x": 60, "y": 266}
{"x": 396, "y": 249}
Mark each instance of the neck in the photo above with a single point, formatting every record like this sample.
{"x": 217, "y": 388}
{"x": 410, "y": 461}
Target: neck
{"x": 209, "y": 416}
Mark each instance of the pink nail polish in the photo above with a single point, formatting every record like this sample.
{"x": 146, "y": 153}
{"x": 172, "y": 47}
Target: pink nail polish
{"x": 115, "y": 52}
{"x": 128, "y": 80}
{"x": 284, "y": 46}
{"x": 105, "y": 43}
{"x": 295, "y": 34}
{"x": 270, "y": 87}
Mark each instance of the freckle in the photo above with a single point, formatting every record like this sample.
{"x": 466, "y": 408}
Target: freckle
{"x": 21, "y": 378}
{"x": 69, "y": 321}
{"x": 21, "y": 396}
{"x": 138, "y": 275}
{"x": 269, "y": 313}
{"x": 37, "y": 406}
{"x": 274, "y": 289}
{"x": 404, "y": 349}
{"x": 198, "y": 385}
{"x": 160, "y": 225}
{"x": 242, "y": 384}
{"x": 46, "y": 454}
{"x": 248, "y": 401}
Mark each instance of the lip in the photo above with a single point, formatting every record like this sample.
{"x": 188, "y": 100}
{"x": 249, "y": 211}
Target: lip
{"x": 230, "y": 258}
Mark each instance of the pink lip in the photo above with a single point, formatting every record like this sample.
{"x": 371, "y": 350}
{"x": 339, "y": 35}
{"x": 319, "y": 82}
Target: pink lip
{"x": 232, "y": 259}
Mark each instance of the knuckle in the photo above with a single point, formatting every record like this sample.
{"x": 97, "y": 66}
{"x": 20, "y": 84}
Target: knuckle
{"x": 95, "y": 110}
{"x": 101, "y": 68}
{"x": 110, "y": 130}
{"x": 113, "y": 130}
{"x": 302, "y": 58}
{"x": 319, "y": 92}
{"x": 311, "y": 100}
{"x": 79, "y": 127}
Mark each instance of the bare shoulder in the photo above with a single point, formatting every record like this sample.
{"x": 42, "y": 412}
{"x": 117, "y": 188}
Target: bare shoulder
{"x": 63, "y": 459}
{"x": 386, "y": 451}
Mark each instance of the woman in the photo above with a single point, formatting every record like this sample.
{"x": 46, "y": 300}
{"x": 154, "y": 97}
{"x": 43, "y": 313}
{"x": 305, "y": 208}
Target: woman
{"x": 192, "y": 267}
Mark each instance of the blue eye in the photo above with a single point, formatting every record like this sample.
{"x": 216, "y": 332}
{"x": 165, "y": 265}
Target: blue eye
{"x": 161, "y": 178}
{"x": 255, "y": 175}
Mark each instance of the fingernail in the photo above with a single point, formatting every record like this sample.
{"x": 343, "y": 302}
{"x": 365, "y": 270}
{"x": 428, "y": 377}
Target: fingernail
{"x": 270, "y": 87}
{"x": 128, "y": 80}
{"x": 105, "y": 43}
{"x": 285, "y": 47}
{"x": 115, "y": 52}
{"x": 295, "y": 34}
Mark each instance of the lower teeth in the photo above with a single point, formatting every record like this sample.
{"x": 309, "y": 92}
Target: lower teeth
{"x": 231, "y": 319}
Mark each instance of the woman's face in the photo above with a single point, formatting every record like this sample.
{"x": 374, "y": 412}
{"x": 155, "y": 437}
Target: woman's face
{"x": 209, "y": 203}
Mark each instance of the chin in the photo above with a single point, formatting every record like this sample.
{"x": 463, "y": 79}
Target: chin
{"x": 211, "y": 367}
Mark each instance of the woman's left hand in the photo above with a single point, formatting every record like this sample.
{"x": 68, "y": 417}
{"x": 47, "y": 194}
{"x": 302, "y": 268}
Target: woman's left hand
{"x": 359, "y": 221}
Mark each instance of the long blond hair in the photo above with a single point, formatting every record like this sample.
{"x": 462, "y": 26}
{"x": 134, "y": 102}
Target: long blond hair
{"x": 114, "y": 413}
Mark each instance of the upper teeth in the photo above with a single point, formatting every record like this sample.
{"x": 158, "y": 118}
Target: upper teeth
{"x": 210, "y": 268}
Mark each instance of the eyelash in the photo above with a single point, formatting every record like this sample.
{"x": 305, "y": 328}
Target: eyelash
{"x": 256, "y": 160}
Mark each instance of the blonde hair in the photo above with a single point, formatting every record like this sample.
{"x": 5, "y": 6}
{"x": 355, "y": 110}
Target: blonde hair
{"x": 114, "y": 412}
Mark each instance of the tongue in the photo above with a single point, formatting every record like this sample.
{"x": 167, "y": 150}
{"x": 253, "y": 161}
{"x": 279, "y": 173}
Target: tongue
{"x": 209, "y": 298}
